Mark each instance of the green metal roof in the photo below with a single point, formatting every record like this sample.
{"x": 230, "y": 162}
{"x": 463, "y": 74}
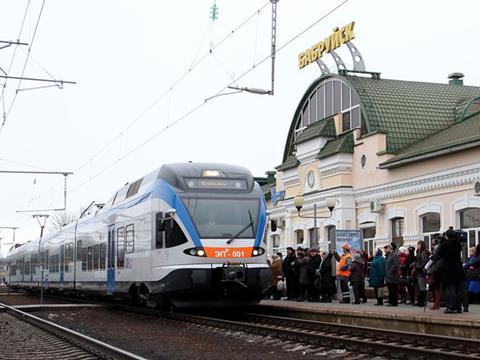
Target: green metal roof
{"x": 406, "y": 111}
{"x": 342, "y": 144}
{"x": 324, "y": 128}
{"x": 290, "y": 163}
{"x": 461, "y": 136}
{"x": 409, "y": 111}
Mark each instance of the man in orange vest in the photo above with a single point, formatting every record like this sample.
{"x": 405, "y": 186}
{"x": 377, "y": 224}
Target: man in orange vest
{"x": 343, "y": 272}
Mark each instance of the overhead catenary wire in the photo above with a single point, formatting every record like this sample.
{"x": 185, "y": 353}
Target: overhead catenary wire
{"x": 2, "y": 95}
{"x": 200, "y": 105}
{"x": 25, "y": 63}
{"x": 167, "y": 91}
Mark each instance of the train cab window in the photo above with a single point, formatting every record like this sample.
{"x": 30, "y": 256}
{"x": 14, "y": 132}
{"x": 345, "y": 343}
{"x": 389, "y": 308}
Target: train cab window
{"x": 90, "y": 258}
{"x": 79, "y": 250}
{"x": 174, "y": 235}
{"x": 120, "y": 247}
{"x": 27, "y": 268}
{"x": 130, "y": 239}
{"x": 134, "y": 187}
{"x": 103, "y": 255}
{"x": 34, "y": 260}
{"x": 96, "y": 256}
{"x": 84, "y": 259}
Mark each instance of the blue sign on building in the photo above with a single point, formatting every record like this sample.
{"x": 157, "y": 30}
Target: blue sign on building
{"x": 276, "y": 196}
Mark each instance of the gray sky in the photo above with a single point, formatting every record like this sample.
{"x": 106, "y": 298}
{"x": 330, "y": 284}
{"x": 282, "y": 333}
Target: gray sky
{"x": 125, "y": 54}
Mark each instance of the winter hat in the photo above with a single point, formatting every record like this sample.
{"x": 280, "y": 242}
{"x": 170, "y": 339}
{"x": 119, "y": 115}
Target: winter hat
{"x": 403, "y": 249}
{"x": 357, "y": 256}
{"x": 379, "y": 252}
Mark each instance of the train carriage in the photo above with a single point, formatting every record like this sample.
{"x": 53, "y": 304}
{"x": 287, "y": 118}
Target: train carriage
{"x": 190, "y": 234}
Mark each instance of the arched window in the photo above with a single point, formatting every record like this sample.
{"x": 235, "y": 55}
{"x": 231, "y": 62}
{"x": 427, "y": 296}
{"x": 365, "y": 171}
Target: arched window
{"x": 470, "y": 222}
{"x": 299, "y": 237}
{"x": 330, "y": 235}
{"x": 275, "y": 241}
{"x": 368, "y": 233}
{"x": 331, "y": 97}
{"x": 397, "y": 230}
{"x": 430, "y": 227}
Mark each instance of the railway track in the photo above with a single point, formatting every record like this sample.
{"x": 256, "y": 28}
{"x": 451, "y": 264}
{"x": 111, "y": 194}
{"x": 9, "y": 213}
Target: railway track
{"x": 374, "y": 342}
{"x": 27, "y": 336}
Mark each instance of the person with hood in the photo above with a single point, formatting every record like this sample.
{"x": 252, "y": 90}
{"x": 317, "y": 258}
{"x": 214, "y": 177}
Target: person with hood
{"x": 392, "y": 274}
{"x": 343, "y": 272}
{"x": 357, "y": 278}
{"x": 302, "y": 264}
{"x": 290, "y": 273}
{"x": 277, "y": 275}
{"x": 402, "y": 285}
{"x": 377, "y": 276}
{"x": 327, "y": 278}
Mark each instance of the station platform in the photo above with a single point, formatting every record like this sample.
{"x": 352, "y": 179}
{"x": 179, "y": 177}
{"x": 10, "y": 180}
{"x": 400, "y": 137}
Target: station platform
{"x": 402, "y": 317}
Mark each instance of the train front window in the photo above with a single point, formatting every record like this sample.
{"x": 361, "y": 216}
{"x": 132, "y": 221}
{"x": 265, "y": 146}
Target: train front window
{"x": 224, "y": 218}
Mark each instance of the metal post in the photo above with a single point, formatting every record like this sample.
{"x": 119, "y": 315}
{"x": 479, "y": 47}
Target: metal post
{"x": 274, "y": 42}
{"x": 42, "y": 227}
{"x": 315, "y": 224}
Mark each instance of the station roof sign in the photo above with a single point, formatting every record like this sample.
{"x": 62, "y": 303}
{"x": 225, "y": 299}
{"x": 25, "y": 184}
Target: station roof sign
{"x": 339, "y": 37}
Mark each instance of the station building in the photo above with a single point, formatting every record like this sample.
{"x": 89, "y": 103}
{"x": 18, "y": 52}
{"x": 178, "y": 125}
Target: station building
{"x": 401, "y": 158}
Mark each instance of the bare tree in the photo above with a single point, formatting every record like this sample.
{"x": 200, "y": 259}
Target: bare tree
{"x": 60, "y": 219}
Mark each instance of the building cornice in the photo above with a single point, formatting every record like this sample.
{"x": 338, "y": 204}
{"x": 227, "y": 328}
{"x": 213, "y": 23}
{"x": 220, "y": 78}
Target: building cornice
{"x": 446, "y": 179}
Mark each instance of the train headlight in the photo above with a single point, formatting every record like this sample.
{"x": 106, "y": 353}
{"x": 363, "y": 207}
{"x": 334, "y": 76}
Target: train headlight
{"x": 195, "y": 252}
{"x": 257, "y": 251}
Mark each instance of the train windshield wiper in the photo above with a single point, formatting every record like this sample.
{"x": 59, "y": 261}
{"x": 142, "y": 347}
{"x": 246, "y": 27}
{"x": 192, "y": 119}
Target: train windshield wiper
{"x": 250, "y": 224}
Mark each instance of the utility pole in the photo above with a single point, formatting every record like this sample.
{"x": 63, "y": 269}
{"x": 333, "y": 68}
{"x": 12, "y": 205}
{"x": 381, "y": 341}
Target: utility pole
{"x": 39, "y": 218}
{"x": 64, "y": 173}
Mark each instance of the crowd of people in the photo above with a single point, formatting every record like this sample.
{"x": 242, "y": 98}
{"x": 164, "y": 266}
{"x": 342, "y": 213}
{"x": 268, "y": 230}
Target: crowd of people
{"x": 407, "y": 272}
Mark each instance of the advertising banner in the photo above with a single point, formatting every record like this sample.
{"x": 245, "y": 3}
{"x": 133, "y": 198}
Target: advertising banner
{"x": 350, "y": 237}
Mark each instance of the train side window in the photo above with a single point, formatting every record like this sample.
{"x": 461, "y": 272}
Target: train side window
{"x": 62, "y": 258}
{"x": 90, "y": 258}
{"x": 120, "y": 247}
{"x": 96, "y": 256}
{"x": 84, "y": 259}
{"x": 103, "y": 255}
{"x": 79, "y": 250}
{"x": 130, "y": 243}
{"x": 159, "y": 231}
{"x": 174, "y": 235}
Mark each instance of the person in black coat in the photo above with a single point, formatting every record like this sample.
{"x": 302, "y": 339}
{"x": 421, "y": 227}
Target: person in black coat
{"x": 312, "y": 267}
{"x": 453, "y": 276}
{"x": 392, "y": 274}
{"x": 327, "y": 279}
{"x": 291, "y": 274}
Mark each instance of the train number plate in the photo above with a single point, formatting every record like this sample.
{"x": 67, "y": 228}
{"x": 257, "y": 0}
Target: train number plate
{"x": 228, "y": 253}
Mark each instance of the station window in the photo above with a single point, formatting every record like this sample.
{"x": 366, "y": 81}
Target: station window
{"x": 331, "y": 234}
{"x": 130, "y": 239}
{"x": 103, "y": 255}
{"x": 276, "y": 241}
{"x": 120, "y": 247}
{"x": 299, "y": 236}
{"x": 470, "y": 218}
{"x": 397, "y": 230}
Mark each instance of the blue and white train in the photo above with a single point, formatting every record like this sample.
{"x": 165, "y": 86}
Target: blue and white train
{"x": 188, "y": 234}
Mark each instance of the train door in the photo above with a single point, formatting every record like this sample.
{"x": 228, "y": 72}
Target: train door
{"x": 62, "y": 266}
{"x": 111, "y": 260}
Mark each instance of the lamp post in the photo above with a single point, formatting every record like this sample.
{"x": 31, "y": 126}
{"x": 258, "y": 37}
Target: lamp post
{"x": 299, "y": 202}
